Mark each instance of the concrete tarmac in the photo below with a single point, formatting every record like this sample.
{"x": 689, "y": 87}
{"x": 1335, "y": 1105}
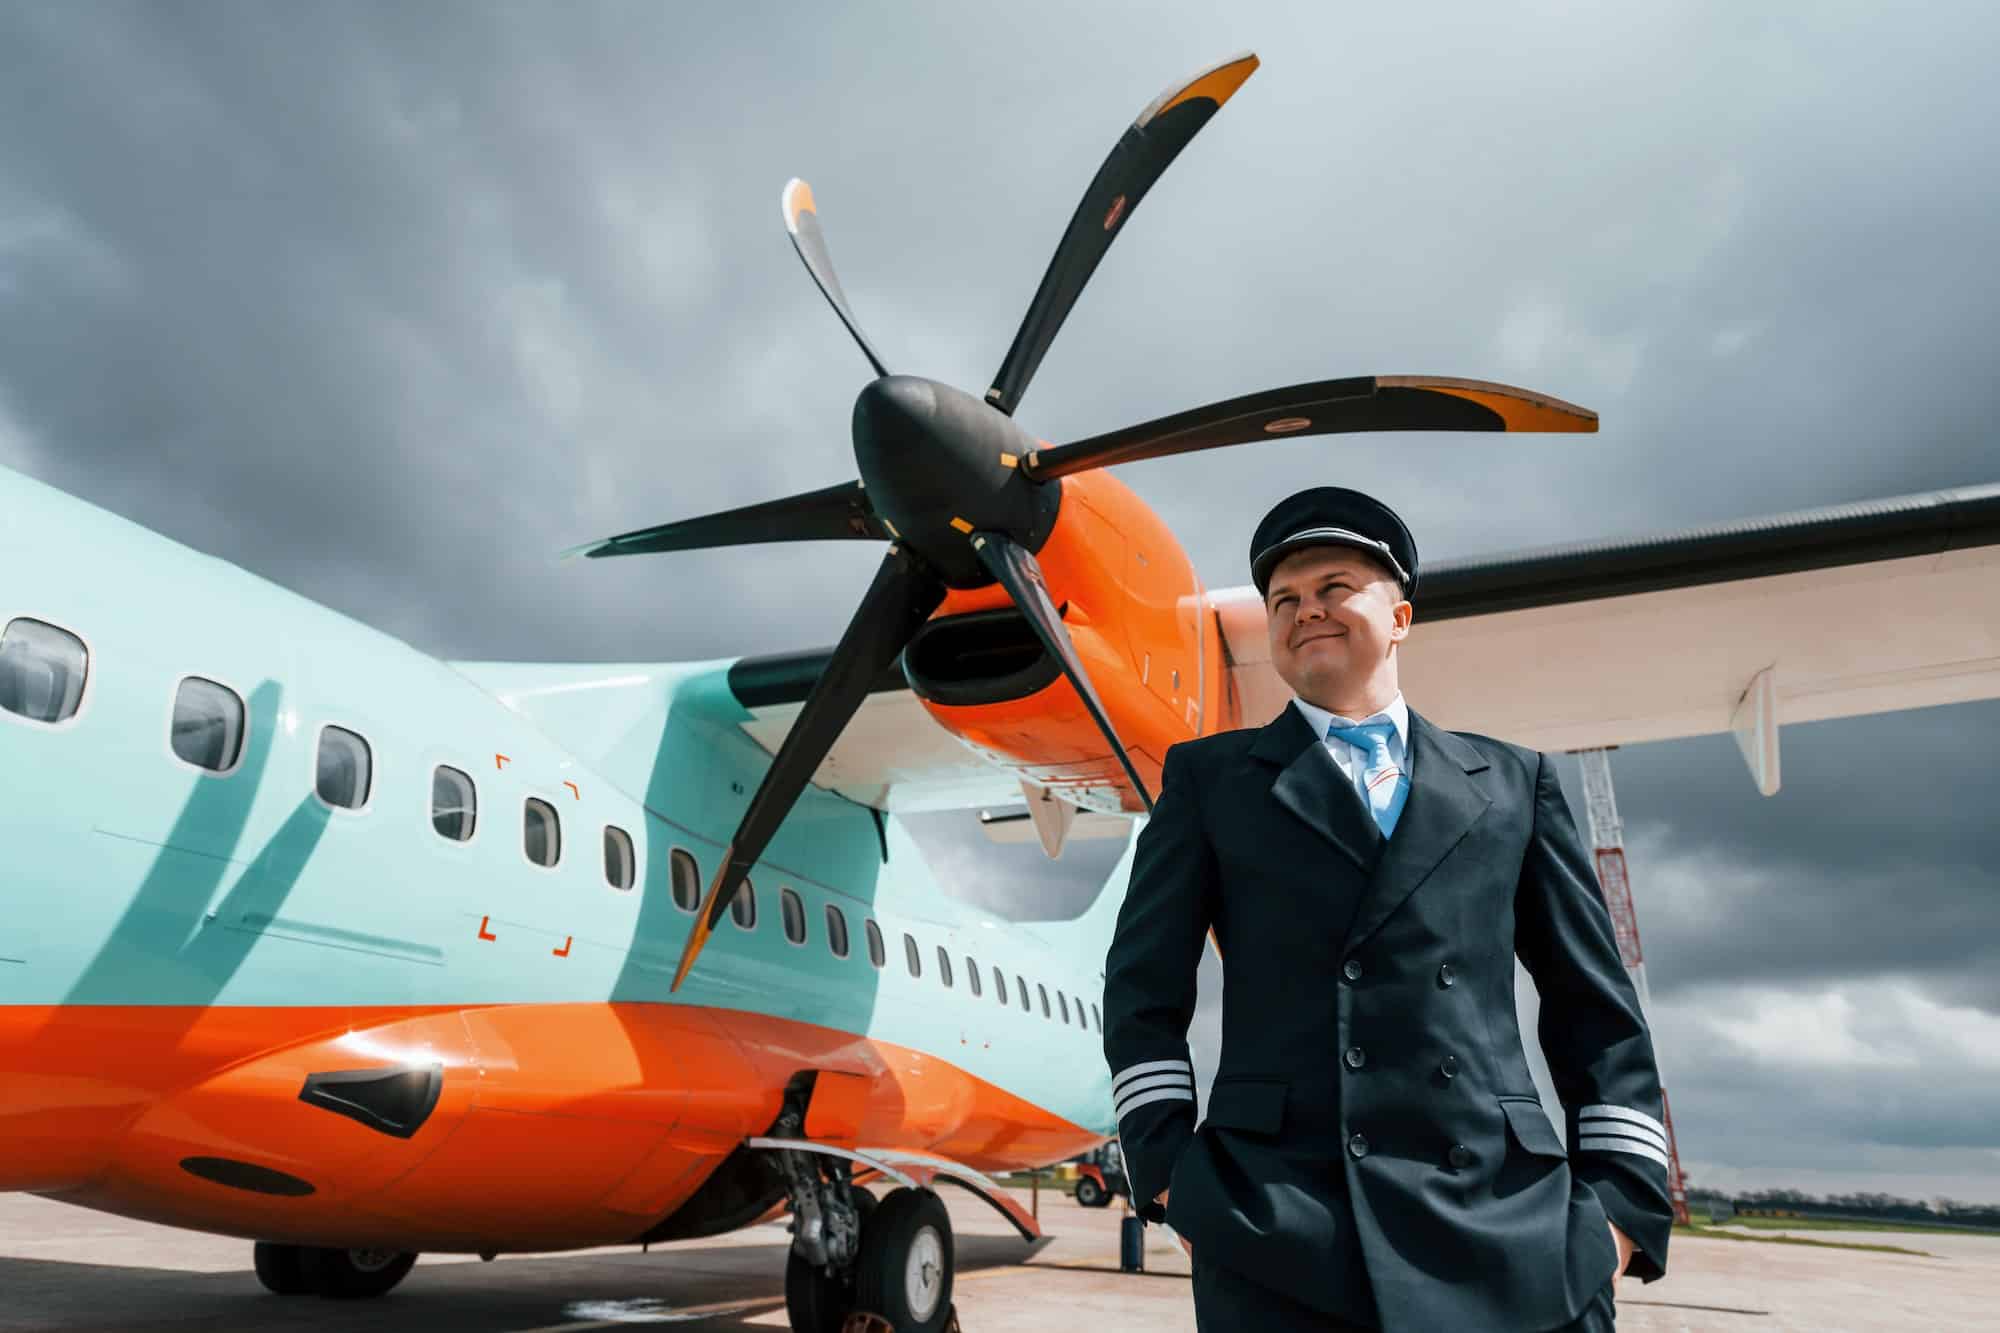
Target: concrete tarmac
{"x": 64, "y": 1268}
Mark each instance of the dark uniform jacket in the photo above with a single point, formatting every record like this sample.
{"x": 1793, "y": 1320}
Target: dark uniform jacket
{"x": 1374, "y": 1145}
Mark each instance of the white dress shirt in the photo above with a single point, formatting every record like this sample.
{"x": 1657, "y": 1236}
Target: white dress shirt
{"x": 1353, "y": 760}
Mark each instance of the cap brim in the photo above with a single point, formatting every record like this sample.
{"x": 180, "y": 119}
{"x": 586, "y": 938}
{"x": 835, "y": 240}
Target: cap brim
{"x": 1268, "y": 558}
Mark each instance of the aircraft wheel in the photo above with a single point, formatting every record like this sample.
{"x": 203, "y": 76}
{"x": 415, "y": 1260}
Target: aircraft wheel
{"x": 353, "y": 1275}
{"x": 905, "y": 1270}
{"x": 1091, "y": 1194}
{"x": 281, "y": 1268}
{"x": 814, "y": 1302}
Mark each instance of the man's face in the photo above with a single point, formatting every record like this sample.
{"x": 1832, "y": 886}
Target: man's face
{"x": 1332, "y": 613}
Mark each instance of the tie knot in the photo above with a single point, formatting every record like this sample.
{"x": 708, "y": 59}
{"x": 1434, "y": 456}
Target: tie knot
{"x": 1370, "y": 736}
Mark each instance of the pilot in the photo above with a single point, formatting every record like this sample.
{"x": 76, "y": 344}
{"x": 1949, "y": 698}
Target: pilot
{"x": 1374, "y": 1153}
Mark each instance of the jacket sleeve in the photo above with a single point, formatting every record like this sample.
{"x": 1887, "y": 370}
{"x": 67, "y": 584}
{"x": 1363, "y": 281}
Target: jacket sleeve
{"x": 1592, "y": 1030}
{"x": 1149, "y": 984}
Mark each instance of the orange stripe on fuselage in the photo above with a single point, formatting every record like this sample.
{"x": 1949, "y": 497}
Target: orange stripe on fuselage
{"x": 559, "y": 1125}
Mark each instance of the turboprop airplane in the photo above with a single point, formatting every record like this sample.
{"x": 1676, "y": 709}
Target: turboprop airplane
{"x": 319, "y": 941}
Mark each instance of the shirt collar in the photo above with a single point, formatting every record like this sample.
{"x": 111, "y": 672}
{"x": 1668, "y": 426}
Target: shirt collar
{"x": 1397, "y": 712}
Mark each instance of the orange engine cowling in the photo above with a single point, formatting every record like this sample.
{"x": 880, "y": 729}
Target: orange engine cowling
{"x": 1134, "y": 609}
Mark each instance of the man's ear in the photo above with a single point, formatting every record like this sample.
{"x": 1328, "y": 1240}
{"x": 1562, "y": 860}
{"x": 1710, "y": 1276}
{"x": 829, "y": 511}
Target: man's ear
{"x": 1404, "y": 613}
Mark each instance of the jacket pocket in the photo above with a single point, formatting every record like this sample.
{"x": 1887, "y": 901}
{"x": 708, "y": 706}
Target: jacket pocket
{"x": 1530, "y": 1126}
{"x": 1254, "y": 1104}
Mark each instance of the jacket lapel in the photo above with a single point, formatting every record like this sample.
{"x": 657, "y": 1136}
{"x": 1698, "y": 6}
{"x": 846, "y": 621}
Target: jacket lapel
{"x": 1443, "y": 805}
{"x": 1312, "y": 787}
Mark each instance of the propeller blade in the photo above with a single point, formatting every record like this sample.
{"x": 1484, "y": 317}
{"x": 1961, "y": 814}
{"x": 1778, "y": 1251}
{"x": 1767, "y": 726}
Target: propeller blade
{"x": 1138, "y": 159}
{"x": 802, "y": 221}
{"x": 897, "y": 603}
{"x": 1021, "y": 575}
{"x": 1328, "y": 407}
{"x": 830, "y": 514}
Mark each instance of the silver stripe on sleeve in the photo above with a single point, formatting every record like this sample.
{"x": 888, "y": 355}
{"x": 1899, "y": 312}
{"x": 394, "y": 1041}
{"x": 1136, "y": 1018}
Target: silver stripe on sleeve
{"x": 1613, "y": 1143}
{"x": 1148, "y": 1084}
{"x": 1119, "y": 1079}
{"x": 1654, "y": 1128}
{"x": 1156, "y": 1095}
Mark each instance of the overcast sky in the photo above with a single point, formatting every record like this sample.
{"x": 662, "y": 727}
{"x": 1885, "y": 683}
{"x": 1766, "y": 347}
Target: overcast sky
{"x": 390, "y": 303}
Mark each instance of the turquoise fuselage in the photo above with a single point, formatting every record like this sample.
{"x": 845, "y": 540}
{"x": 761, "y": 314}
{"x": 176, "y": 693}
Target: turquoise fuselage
{"x": 134, "y": 878}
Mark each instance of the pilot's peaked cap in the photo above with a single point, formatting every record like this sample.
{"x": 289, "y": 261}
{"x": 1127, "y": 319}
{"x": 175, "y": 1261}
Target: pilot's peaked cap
{"x": 1333, "y": 516}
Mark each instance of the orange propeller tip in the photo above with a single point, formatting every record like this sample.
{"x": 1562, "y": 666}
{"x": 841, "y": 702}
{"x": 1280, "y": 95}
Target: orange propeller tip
{"x": 796, "y": 199}
{"x": 1218, "y": 83}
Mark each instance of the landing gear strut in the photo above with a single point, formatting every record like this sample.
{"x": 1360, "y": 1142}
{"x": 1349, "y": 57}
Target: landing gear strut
{"x": 300, "y": 1270}
{"x": 850, "y": 1254}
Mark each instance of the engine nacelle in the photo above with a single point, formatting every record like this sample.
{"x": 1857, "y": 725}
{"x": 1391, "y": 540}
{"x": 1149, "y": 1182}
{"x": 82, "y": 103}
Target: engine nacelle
{"x": 1135, "y": 611}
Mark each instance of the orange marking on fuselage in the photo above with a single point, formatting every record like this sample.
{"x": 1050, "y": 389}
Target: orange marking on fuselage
{"x": 485, "y": 934}
{"x": 501, "y": 761}
{"x": 573, "y": 790}
{"x": 563, "y": 952}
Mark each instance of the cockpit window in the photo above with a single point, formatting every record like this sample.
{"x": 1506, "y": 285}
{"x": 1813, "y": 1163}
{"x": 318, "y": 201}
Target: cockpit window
{"x": 207, "y": 729}
{"x": 41, "y": 670}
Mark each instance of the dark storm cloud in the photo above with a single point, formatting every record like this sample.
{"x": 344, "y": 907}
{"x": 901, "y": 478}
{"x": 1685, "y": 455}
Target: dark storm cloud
{"x": 389, "y": 303}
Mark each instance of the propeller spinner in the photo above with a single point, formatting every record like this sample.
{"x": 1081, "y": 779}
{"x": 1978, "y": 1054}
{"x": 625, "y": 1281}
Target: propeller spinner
{"x": 966, "y": 497}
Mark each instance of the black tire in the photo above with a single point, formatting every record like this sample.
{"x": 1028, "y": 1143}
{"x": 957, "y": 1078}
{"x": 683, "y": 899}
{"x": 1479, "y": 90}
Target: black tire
{"x": 281, "y": 1269}
{"x": 354, "y": 1275}
{"x": 905, "y": 1270}
{"x": 1091, "y": 1194}
{"x": 814, "y": 1302}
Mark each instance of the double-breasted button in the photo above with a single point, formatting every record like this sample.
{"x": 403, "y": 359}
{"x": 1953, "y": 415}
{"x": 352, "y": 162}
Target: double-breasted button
{"x": 1357, "y": 1146}
{"x": 1445, "y": 975}
{"x": 1355, "y": 1057}
{"x": 1460, "y": 1156}
{"x": 1351, "y": 969}
{"x": 1448, "y": 1066}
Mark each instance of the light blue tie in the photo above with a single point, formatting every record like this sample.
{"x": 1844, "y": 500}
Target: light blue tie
{"x": 1386, "y": 785}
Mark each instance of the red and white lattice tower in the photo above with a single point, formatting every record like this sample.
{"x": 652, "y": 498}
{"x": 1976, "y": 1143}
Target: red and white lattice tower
{"x": 1607, "y": 835}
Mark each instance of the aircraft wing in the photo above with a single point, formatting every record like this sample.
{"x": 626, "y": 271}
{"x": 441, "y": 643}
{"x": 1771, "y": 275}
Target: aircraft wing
{"x": 1820, "y": 613}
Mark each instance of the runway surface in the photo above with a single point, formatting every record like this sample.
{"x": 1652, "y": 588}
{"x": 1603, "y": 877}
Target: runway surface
{"x": 64, "y": 1268}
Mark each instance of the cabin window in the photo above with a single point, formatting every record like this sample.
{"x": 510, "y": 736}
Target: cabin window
{"x": 877, "y": 955}
{"x": 794, "y": 913}
{"x": 1063, "y": 1005}
{"x": 686, "y": 877}
{"x": 944, "y": 965}
{"x": 1021, "y": 989}
{"x": 1044, "y": 992}
{"x": 208, "y": 724}
{"x": 743, "y": 907}
{"x": 346, "y": 769}
{"x": 972, "y": 973}
{"x": 912, "y": 956}
{"x": 454, "y": 803}
{"x": 1096, "y": 1017}
{"x": 41, "y": 671}
{"x": 541, "y": 832}
{"x": 1082, "y": 1019}
{"x": 620, "y": 862}
{"x": 836, "y": 931}
{"x": 999, "y": 985}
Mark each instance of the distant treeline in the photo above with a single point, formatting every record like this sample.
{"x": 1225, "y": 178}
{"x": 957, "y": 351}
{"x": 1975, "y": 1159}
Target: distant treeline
{"x": 1885, "y": 1207}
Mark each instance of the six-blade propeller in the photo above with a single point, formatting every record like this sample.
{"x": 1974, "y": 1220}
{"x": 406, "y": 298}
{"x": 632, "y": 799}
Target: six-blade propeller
{"x": 966, "y": 497}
